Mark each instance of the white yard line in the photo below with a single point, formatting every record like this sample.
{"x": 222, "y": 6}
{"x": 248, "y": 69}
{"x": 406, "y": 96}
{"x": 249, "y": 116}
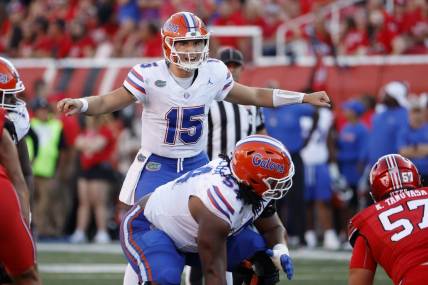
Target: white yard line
{"x": 113, "y": 248}
{"x": 81, "y": 268}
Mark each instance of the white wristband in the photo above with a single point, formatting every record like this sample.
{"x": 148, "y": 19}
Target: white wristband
{"x": 85, "y": 105}
{"x": 284, "y": 97}
{"x": 280, "y": 249}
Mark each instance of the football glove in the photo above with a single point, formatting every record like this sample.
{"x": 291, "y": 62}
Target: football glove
{"x": 281, "y": 258}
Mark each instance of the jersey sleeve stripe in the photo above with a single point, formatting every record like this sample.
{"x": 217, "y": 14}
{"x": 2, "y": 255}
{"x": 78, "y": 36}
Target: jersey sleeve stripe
{"x": 228, "y": 75}
{"x": 216, "y": 205}
{"x": 137, "y": 75}
{"x": 226, "y": 85}
{"x": 134, "y": 85}
{"x": 134, "y": 79}
{"x": 223, "y": 199}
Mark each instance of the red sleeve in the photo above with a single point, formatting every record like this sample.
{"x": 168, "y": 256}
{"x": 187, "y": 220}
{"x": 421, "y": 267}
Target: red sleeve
{"x": 362, "y": 256}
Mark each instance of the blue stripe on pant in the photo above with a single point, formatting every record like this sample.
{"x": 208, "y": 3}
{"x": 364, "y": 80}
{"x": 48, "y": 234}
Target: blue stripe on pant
{"x": 151, "y": 253}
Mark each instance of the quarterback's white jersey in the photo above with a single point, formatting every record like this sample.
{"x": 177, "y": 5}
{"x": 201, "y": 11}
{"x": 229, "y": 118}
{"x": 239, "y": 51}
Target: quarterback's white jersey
{"x": 174, "y": 118}
{"x": 167, "y": 208}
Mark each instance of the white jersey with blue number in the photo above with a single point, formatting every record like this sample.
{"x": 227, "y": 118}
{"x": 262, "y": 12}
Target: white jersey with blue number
{"x": 174, "y": 119}
{"x": 167, "y": 208}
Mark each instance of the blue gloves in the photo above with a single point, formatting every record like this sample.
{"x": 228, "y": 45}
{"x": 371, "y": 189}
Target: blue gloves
{"x": 280, "y": 257}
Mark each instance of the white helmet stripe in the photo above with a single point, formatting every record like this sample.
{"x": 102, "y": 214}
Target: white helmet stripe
{"x": 389, "y": 171}
{"x": 393, "y": 174}
{"x": 190, "y": 21}
{"x": 397, "y": 173}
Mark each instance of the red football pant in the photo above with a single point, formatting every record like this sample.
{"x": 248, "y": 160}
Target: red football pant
{"x": 17, "y": 251}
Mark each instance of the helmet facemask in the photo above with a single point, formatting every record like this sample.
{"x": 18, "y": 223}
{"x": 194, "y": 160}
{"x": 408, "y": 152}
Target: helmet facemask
{"x": 187, "y": 60}
{"x": 278, "y": 188}
{"x": 11, "y": 102}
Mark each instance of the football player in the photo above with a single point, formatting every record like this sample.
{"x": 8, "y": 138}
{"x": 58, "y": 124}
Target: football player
{"x": 207, "y": 211}
{"x": 17, "y": 250}
{"x": 17, "y": 124}
{"x": 393, "y": 232}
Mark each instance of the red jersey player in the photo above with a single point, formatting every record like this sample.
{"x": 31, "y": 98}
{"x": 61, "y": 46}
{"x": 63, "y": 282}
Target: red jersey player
{"x": 394, "y": 231}
{"x": 17, "y": 251}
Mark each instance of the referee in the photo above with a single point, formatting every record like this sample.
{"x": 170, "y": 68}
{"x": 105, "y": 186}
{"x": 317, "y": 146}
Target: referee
{"x": 228, "y": 122}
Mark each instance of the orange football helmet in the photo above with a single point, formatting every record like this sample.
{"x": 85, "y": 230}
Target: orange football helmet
{"x": 264, "y": 164}
{"x": 185, "y": 26}
{"x": 10, "y": 85}
{"x": 390, "y": 173}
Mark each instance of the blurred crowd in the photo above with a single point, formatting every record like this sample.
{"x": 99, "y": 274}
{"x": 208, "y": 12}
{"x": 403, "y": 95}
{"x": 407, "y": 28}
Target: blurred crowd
{"x": 131, "y": 28}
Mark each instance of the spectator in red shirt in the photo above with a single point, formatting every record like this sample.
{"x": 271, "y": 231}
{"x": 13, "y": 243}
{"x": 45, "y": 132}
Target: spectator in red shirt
{"x": 354, "y": 39}
{"x": 151, "y": 41}
{"x": 96, "y": 145}
{"x": 229, "y": 15}
{"x": 382, "y": 31}
{"x": 56, "y": 44}
{"x": 82, "y": 44}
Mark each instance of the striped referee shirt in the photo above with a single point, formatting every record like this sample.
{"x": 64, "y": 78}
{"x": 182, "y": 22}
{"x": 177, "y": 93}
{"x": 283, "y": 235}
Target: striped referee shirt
{"x": 228, "y": 123}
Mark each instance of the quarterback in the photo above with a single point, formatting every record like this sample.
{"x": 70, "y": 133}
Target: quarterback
{"x": 176, "y": 94}
{"x": 207, "y": 212}
{"x": 394, "y": 231}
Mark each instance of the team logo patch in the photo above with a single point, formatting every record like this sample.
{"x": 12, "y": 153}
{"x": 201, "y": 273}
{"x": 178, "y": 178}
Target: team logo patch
{"x": 258, "y": 161}
{"x": 3, "y": 78}
{"x": 153, "y": 166}
{"x": 385, "y": 181}
{"x": 160, "y": 83}
{"x": 171, "y": 27}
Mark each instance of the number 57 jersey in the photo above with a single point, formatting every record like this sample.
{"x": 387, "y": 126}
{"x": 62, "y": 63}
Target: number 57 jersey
{"x": 174, "y": 118}
{"x": 396, "y": 230}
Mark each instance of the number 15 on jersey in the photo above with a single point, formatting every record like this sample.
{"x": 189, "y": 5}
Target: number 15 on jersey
{"x": 184, "y": 123}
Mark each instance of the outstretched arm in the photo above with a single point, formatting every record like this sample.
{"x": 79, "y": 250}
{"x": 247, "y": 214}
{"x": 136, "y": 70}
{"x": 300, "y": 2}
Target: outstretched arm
{"x": 212, "y": 235}
{"x": 100, "y": 104}
{"x": 266, "y": 97}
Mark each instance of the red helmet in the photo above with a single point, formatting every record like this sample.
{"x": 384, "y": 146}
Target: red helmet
{"x": 10, "y": 85}
{"x": 392, "y": 172}
{"x": 184, "y": 26}
{"x": 264, "y": 164}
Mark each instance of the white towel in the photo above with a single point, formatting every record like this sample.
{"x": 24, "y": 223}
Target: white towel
{"x": 132, "y": 176}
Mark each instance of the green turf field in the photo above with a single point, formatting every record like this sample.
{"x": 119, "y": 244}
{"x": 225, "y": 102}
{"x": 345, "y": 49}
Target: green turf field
{"x": 95, "y": 265}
